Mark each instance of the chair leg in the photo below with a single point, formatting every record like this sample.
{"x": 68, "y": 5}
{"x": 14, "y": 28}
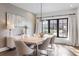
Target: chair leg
{"x": 40, "y": 53}
{"x": 17, "y": 54}
{"x": 51, "y": 46}
{"x": 47, "y": 53}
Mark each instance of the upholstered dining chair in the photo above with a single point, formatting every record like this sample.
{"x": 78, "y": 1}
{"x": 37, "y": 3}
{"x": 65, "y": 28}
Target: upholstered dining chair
{"x": 44, "y": 45}
{"x": 22, "y": 49}
{"x": 10, "y": 43}
{"x": 41, "y": 34}
{"x": 52, "y": 40}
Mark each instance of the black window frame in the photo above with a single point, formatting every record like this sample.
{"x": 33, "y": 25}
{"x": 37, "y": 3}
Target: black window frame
{"x": 57, "y": 26}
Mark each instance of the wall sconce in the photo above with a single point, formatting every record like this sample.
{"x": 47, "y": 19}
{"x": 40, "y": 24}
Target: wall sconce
{"x": 10, "y": 26}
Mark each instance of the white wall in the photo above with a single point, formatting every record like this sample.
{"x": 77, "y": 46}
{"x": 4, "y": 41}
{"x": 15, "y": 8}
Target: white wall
{"x": 30, "y": 17}
{"x": 6, "y": 7}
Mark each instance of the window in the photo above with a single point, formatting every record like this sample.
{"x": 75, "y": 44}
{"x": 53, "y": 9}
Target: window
{"x": 56, "y": 26}
{"x": 63, "y": 28}
{"x": 53, "y": 26}
{"x": 45, "y": 26}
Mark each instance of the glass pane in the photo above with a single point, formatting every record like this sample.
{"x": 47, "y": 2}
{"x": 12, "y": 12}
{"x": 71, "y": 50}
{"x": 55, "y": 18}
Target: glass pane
{"x": 45, "y": 26}
{"x": 63, "y": 28}
{"x": 53, "y": 27}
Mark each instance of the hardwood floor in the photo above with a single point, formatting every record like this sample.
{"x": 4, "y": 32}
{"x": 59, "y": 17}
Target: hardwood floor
{"x": 58, "y": 50}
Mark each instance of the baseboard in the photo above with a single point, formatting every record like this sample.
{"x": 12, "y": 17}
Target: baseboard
{"x": 3, "y": 49}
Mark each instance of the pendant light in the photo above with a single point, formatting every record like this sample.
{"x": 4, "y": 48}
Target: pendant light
{"x": 41, "y": 16}
{"x": 41, "y": 12}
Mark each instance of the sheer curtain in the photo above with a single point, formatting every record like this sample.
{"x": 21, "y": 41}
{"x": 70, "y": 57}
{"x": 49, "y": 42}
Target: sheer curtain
{"x": 77, "y": 22}
{"x": 73, "y": 29}
{"x": 38, "y": 25}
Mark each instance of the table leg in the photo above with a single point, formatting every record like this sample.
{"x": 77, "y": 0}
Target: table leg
{"x": 36, "y": 49}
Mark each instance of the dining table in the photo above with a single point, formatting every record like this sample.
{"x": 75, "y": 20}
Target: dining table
{"x": 34, "y": 40}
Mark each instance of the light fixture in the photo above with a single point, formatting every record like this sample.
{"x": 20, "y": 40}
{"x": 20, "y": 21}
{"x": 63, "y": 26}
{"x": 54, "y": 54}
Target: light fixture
{"x": 41, "y": 12}
{"x": 41, "y": 15}
{"x": 10, "y": 25}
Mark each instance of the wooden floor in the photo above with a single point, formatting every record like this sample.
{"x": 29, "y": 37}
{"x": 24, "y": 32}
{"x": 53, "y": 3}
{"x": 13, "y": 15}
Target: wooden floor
{"x": 58, "y": 50}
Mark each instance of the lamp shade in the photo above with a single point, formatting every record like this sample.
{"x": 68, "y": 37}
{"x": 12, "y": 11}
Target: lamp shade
{"x": 10, "y": 25}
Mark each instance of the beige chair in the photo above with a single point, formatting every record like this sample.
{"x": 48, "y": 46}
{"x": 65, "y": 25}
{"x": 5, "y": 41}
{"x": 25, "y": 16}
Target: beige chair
{"x": 22, "y": 49}
{"x": 10, "y": 42}
{"x": 41, "y": 34}
{"x": 44, "y": 45}
{"x": 52, "y": 41}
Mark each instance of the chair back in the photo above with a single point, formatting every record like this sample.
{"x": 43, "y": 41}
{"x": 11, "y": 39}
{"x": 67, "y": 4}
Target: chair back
{"x": 52, "y": 39}
{"x": 22, "y": 48}
{"x": 10, "y": 42}
{"x": 45, "y": 44}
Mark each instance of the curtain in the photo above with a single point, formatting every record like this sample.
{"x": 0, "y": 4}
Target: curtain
{"x": 73, "y": 29}
{"x": 38, "y": 25}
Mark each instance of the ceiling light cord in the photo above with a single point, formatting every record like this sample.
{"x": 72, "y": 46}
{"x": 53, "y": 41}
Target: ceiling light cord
{"x": 41, "y": 12}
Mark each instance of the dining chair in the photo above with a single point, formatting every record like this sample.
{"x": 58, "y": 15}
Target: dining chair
{"x": 10, "y": 43}
{"x": 41, "y": 34}
{"x": 44, "y": 45}
{"x": 52, "y": 40}
{"x": 22, "y": 49}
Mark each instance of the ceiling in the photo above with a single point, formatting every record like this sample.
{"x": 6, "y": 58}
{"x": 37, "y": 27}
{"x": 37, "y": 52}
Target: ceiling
{"x": 46, "y": 7}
